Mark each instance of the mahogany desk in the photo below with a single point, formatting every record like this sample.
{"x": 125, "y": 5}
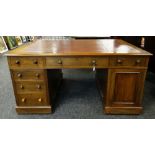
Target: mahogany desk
{"x": 120, "y": 72}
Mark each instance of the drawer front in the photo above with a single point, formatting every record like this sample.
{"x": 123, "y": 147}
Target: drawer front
{"x": 128, "y": 61}
{"x": 76, "y": 62}
{"x": 26, "y": 62}
{"x": 54, "y": 61}
{"x": 31, "y": 100}
{"x": 27, "y": 87}
{"x": 20, "y": 75}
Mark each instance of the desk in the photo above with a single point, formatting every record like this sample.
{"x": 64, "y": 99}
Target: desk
{"x": 120, "y": 72}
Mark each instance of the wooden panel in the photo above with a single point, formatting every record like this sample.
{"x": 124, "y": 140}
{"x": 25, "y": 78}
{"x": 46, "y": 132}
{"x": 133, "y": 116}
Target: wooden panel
{"x": 20, "y": 75}
{"x": 123, "y": 110}
{"x": 26, "y": 62}
{"x": 31, "y": 99}
{"x": 125, "y": 90}
{"x": 33, "y": 87}
{"x": 128, "y": 61}
{"x": 33, "y": 109}
{"x": 75, "y": 62}
{"x": 125, "y": 87}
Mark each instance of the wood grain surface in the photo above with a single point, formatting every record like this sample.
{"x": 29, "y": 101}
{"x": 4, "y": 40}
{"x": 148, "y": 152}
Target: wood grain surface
{"x": 77, "y": 47}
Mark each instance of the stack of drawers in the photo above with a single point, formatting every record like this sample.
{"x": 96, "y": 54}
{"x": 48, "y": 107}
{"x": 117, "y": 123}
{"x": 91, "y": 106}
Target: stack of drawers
{"x": 30, "y": 84}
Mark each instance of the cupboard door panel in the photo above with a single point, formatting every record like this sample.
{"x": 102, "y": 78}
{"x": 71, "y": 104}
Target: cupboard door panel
{"x": 125, "y": 87}
{"x": 125, "y": 91}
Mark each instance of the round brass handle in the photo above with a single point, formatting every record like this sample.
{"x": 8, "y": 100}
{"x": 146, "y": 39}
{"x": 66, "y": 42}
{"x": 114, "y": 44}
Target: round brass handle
{"x": 19, "y": 75}
{"x": 40, "y": 100}
{"x": 17, "y": 62}
{"x": 23, "y": 100}
{"x": 138, "y": 61}
{"x": 21, "y": 86}
{"x": 60, "y": 62}
{"x": 35, "y": 62}
{"x": 37, "y": 75}
{"x": 94, "y": 62}
{"x": 39, "y": 86}
{"x": 119, "y": 61}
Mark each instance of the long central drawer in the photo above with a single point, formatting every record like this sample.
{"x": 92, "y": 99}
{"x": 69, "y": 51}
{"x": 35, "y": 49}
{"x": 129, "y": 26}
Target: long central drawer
{"x": 77, "y": 62}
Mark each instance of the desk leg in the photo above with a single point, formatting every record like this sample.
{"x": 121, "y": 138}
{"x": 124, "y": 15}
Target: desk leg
{"x": 124, "y": 91}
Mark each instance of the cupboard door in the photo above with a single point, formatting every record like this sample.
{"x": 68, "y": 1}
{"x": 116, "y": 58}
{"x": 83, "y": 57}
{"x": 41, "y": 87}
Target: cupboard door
{"x": 125, "y": 90}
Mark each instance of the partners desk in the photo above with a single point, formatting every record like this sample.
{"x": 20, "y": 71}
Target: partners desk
{"x": 120, "y": 72}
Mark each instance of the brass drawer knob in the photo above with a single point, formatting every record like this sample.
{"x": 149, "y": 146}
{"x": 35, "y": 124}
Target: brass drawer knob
{"x": 93, "y": 62}
{"x": 17, "y": 62}
{"x": 19, "y": 75}
{"x": 21, "y": 86}
{"x": 40, "y": 100}
{"x": 39, "y": 86}
{"x": 59, "y": 62}
{"x": 23, "y": 100}
{"x": 119, "y": 61}
{"x": 138, "y": 61}
{"x": 35, "y": 62}
{"x": 37, "y": 75}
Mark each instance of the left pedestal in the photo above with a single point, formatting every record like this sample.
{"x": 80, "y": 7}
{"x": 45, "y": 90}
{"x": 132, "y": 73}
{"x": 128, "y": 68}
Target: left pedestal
{"x": 30, "y": 86}
{"x": 31, "y": 91}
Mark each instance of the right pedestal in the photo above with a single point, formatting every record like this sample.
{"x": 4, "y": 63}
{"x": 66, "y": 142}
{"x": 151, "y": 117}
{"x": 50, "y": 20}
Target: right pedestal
{"x": 124, "y": 91}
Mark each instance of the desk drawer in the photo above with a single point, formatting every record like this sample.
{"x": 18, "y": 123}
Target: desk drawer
{"x": 128, "y": 61}
{"x": 26, "y": 62}
{"x": 76, "y": 62}
{"x": 20, "y": 75}
{"x": 31, "y": 99}
{"x": 27, "y": 87}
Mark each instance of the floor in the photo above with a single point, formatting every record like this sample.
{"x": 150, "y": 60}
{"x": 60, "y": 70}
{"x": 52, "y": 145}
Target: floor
{"x": 77, "y": 98}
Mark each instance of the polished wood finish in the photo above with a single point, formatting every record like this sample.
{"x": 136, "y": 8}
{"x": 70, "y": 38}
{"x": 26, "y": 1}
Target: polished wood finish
{"x": 22, "y": 62}
{"x": 78, "y": 48}
{"x": 28, "y": 75}
{"x": 29, "y": 86}
{"x": 31, "y": 90}
{"x": 77, "y": 62}
{"x": 120, "y": 72}
{"x": 30, "y": 99}
{"x": 125, "y": 89}
{"x": 33, "y": 109}
{"x": 121, "y": 61}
